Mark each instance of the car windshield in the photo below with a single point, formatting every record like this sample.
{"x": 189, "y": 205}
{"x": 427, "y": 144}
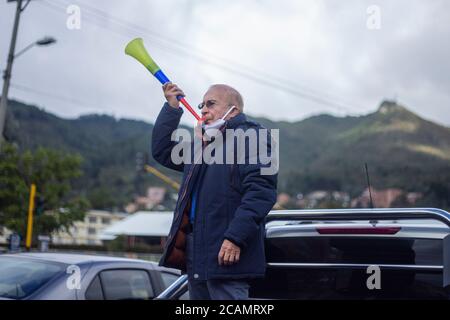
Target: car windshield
{"x": 21, "y": 277}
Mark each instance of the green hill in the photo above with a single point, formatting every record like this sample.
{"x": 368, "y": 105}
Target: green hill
{"x": 401, "y": 149}
{"x": 321, "y": 152}
{"x": 107, "y": 145}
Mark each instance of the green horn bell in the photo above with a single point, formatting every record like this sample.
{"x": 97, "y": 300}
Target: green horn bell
{"x": 136, "y": 49}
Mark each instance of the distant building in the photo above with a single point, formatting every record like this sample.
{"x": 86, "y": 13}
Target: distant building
{"x": 150, "y": 227}
{"x": 413, "y": 197}
{"x": 87, "y": 232}
{"x": 385, "y": 198}
{"x": 312, "y": 199}
{"x": 156, "y": 195}
{"x": 4, "y": 234}
{"x": 131, "y": 207}
{"x": 153, "y": 199}
{"x": 317, "y": 195}
{"x": 283, "y": 199}
{"x": 322, "y": 198}
{"x": 342, "y": 197}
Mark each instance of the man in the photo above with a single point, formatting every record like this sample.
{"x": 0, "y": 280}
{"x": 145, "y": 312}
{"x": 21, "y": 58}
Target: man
{"x": 217, "y": 234}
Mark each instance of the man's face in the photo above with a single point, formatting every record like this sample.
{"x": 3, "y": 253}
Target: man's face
{"x": 215, "y": 105}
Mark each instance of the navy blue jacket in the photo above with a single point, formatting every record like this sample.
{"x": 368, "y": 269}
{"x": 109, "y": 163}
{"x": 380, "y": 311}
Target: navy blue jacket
{"x": 233, "y": 200}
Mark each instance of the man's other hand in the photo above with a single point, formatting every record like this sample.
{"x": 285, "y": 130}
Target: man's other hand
{"x": 171, "y": 91}
{"x": 229, "y": 253}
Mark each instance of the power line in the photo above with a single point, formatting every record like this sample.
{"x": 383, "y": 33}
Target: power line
{"x": 168, "y": 45}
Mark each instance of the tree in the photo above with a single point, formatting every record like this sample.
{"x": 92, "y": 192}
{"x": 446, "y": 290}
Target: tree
{"x": 52, "y": 172}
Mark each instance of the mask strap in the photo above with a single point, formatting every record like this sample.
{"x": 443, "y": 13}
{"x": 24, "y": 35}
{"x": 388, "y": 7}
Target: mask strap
{"x": 231, "y": 109}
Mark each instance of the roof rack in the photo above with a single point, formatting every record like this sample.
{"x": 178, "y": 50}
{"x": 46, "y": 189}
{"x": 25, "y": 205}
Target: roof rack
{"x": 360, "y": 214}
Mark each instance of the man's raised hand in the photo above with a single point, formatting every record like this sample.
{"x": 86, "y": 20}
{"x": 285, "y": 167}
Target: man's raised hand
{"x": 171, "y": 91}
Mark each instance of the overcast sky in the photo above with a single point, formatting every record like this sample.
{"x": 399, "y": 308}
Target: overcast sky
{"x": 289, "y": 59}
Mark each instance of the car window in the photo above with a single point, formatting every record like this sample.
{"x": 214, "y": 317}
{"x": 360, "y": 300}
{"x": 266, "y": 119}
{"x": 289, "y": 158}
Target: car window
{"x": 168, "y": 278}
{"x": 94, "y": 291}
{"x": 355, "y": 250}
{"x": 20, "y": 277}
{"x": 313, "y": 276}
{"x": 126, "y": 284}
{"x": 324, "y": 284}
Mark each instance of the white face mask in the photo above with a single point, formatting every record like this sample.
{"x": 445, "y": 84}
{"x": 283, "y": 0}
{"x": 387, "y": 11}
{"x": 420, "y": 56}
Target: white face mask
{"x": 219, "y": 122}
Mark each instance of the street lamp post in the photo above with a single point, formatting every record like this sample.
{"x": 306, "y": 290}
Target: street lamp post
{"x": 11, "y": 56}
{"x": 43, "y": 42}
{"x": 7, "y": 75}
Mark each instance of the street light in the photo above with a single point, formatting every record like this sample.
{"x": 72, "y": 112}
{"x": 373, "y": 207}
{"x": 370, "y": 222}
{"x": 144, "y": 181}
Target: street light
{"x": 11, "y": 56}
{"x": 42, "y": 42}
{"x": 45, "y": 41}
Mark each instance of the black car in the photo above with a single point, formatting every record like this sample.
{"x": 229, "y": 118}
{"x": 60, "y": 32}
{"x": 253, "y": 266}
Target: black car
{"x": 48, "y": 276}
{"x": 352, "y": 254}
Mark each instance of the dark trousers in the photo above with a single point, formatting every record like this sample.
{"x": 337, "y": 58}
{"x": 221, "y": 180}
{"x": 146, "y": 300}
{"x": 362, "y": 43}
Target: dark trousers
{"x": 213, "y": 289}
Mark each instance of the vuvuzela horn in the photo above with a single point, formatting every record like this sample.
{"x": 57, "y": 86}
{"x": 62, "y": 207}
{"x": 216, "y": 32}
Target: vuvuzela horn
{"x": 136, "y": 49}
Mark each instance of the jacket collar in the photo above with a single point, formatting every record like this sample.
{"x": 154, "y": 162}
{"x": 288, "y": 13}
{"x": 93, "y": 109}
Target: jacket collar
{"x": 237, "y": 120}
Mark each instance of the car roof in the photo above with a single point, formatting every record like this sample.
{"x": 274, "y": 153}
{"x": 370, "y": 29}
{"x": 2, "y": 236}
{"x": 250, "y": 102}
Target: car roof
{"x": 71, "y": 258}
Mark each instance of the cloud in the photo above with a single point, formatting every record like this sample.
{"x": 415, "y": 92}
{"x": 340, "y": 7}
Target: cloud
{"x": 316, "y": 48}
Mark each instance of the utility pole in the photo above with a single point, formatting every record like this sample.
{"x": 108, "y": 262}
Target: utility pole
{"x": 7, "y": 74}
{"x": 30, "y": 217}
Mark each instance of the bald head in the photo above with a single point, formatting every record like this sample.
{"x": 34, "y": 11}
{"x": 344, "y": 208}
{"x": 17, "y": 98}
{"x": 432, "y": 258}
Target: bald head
{"x": 230, "y": 94}
{"x": 219, "y": 98}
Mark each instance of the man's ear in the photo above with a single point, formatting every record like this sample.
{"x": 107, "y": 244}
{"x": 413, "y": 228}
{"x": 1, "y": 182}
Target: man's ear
{"x": 231, "y": 111}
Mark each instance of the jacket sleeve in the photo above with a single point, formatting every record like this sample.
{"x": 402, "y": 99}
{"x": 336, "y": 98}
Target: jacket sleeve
{"x": 259, "y": 196}
{"x": 162, "y": 145}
